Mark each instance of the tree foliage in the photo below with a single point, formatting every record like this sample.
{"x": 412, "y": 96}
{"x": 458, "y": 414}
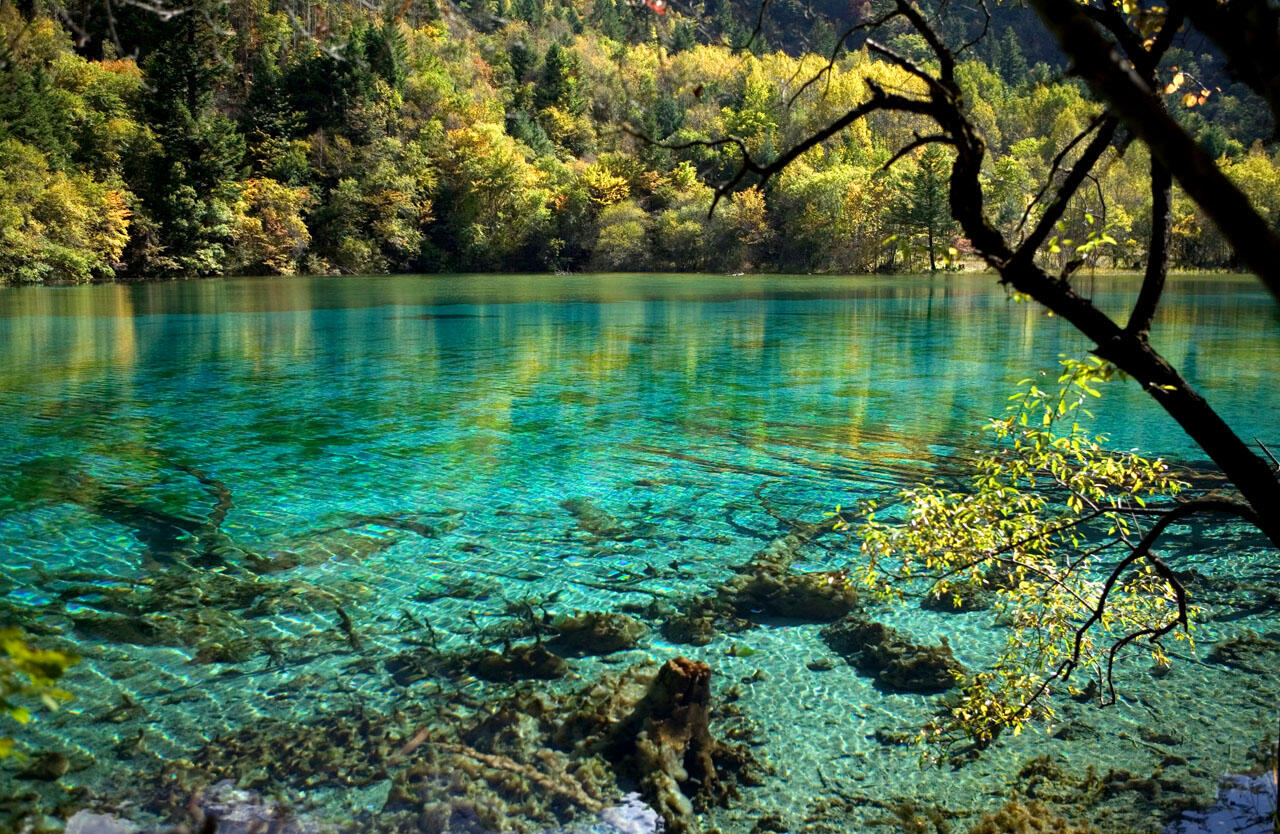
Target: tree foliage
{"x": 28, "y": 674}
{"x": 1048, "y": 513}
{"x": 491, "y": 141}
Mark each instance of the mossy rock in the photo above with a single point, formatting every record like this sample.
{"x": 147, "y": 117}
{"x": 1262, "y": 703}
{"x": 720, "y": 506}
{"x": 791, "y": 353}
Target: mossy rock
{"x": 1251, "y": 652}
{"x": 519, "y": 663}
{"x": 233, "y": 651}
{"x": 1034, "y": 817}
{"x": 690, "y": 629}
{"x": 596, "y": 633}
{"x": 898, "y": 663}
{"x": 815, "y": 596}
{"x": 594, "y": 520}
{"x": 959, "y": 599}
{"x": 345, "y": 750}
{"x": 137, "y": 631}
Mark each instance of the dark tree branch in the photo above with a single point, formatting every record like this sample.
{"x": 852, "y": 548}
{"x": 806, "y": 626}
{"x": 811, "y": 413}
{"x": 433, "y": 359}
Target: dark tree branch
{"x": 1114, "y": 80}
{"x": 946, "y": 60}
{"x": 1142, "y": 550}
{"x": 1108, "y": 16}
{"x": 986, "y": 27}
{"x": 1057, "y": 164}
{"x": 839, "y": 47}
{"x": 1053, "y": 213}
{"x": 880, "y": 100}
{"x": 1157, "y": 269}
{"x": 1267, "y": 452}
{"x": 1147, "y": 62}
{"x": 918, "y": 142}
{"x": 903, "y": 63}
{"x": 755, "y": 33}
{"x": 1248, "y": 33}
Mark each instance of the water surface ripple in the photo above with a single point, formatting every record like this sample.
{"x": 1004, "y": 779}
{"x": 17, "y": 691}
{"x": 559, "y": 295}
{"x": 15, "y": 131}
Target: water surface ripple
{"x": 422, "y": 449}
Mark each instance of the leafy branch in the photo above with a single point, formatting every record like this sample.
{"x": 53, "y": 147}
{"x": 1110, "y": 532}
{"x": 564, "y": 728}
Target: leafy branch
{"x": 1052, "y": 526}
{"x": 28, "y": 673}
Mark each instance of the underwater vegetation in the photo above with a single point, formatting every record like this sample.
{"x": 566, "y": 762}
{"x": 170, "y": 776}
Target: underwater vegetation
{"x": 521, "y": 713}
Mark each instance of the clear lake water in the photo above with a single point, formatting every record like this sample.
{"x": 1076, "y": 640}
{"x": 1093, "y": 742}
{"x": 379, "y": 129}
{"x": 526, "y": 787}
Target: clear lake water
{"x": 419, "y": 460}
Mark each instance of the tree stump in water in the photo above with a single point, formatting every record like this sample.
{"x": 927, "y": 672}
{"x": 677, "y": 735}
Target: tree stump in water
{"x": 667, "y": 743}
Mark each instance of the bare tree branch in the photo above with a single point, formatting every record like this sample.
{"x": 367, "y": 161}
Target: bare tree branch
{"x": 918, "y": 142}
{"x": 755, "y": 33}
{"x": 1108, "y": 16}
{"x": 1142, "y": 550}
{"x": 1057, "y": 164}
{"x": 1054, "y": 211}
{"x": 1114, "y": 80}
{"x": 986, "y": 27}
{"x": 1157, "y": 269}
{"x": 1248, "y": 33}
{"x": 839, "y": 47}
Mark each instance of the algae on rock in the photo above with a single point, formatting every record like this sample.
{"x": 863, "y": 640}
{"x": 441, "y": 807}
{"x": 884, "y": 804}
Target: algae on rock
{"x": 897, "y": 662}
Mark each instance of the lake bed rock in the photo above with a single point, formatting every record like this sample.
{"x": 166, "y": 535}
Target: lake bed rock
{"x": 898, "y": 663}
{"x": 596, "y": 633}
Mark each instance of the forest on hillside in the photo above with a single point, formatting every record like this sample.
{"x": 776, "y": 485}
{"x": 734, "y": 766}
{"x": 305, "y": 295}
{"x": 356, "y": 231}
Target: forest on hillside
{"x": 253, "y": 137}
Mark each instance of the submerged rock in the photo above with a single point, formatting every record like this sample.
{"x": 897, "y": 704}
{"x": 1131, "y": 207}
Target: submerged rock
{"x": 763, "y": 591}
{"x": 87, "y": 822}
{"x": 970, "y": 594}
{"x": 695, "y": 627}
{"x": 1032, "y": 817}
{"x": 343, "y": 750}
{"x": 138, "y": 631}
{"x": 898, "y": 663}
{"x": 597, "y": 632}
{"x": 409, "y": 667}
{"x": 959, "y": 599}
{"x": 236, "y": 811}
{"x": 816, "y": 596}
{"x": 47, "y": 767}
{"x": 767, "y": 587}
{"x": 594, "y": 520}
{"x": 1251, "y": 652}
{"x": 234, "y": 651}
{"x": 519, "y": 663}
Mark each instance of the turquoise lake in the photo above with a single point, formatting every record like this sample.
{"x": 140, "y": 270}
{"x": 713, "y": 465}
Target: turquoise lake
{"x": 409, "y": 463}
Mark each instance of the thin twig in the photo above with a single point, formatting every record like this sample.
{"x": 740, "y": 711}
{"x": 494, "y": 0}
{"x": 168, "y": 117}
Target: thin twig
{"x": 1057, "y": 163}
{"x": 986, "y": 26}
{"x": 835, "y": 53}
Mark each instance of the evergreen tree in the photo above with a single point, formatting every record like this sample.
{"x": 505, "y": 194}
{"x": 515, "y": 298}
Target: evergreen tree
{"x": 386, "y": 51}
{"x": 1012, "y": 65}
{"x": 683, "y": 37}
{"x": 187, "y": 179}
{"x": 667, "y": 116}
{"x": 923, "y": 211}
{"x": 560, "y": 85}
